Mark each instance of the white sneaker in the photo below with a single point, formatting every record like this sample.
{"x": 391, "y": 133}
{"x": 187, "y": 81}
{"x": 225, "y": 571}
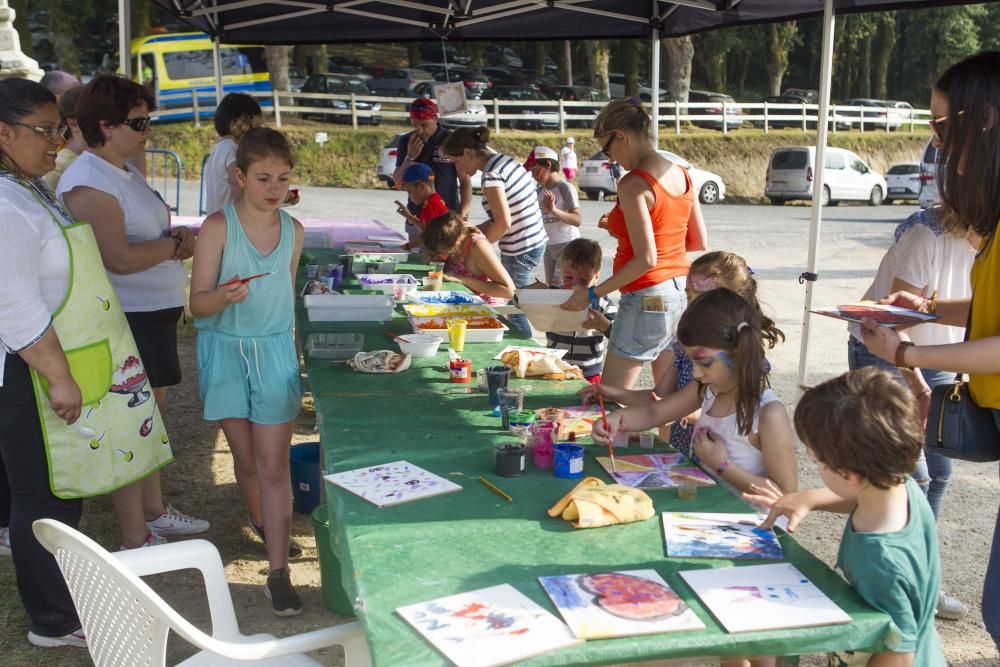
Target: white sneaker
{"x": 174, "y": 522}
{"x": 5, "y": 541}
{"x": 152, "y": 540}
{"x": 949, "y": 608}
{"x": 75, "y": 639}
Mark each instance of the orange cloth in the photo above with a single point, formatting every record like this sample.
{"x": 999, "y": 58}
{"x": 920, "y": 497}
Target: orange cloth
{"x": 670, "y": 215}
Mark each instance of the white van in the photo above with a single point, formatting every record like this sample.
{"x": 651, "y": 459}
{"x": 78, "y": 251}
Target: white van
{"x": 845, "y": 175}
{"x": 929, "y": 195}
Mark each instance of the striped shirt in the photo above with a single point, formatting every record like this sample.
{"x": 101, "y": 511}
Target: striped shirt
{"x": 526, "y": 229}
{"x": 586, "y": 351}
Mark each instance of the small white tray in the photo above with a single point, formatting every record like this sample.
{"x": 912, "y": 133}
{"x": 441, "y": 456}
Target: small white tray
{"x": 443, "y": 310}
{"x": 349, "y": 307}
{"x": 448, "y": 298}
{"x": 386, "y": 287}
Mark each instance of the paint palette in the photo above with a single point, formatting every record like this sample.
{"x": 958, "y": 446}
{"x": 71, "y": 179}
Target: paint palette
{"x": 619, "y": 604}
{"x": 393, "y": 483}
{"x": 490, "y": 626}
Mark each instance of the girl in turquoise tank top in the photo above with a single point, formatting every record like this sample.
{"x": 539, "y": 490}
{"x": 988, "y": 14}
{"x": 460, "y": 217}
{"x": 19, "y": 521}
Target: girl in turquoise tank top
{"x": 247, "y": 362}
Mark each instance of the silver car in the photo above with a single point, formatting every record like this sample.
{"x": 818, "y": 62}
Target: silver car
{"x": 398, "y": 81}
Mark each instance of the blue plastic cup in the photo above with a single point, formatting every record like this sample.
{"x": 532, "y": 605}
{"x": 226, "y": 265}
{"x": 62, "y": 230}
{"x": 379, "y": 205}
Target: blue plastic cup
{"x": 568, "y": 460}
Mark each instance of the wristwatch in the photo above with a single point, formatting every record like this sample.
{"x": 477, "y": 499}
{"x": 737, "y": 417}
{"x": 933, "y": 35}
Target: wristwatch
{"x": 901, "y": 354}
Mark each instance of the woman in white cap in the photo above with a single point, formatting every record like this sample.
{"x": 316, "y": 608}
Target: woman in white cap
{"x": 567, "y": 159}
{"x": 560, "y": 206}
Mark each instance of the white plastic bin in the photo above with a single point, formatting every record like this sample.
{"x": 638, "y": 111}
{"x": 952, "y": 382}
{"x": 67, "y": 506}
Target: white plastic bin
{"x": 349, "y": 307}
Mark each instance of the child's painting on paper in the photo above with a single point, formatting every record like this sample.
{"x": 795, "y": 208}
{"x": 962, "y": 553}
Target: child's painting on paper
{"x": 763, "y": 597}
{"x": 490, "y": 626}
{"x": 707, "y": 535}
{"x": 619, "y": 604}
{"x": 655, "y": 471}
{"x": 393, "y": 483}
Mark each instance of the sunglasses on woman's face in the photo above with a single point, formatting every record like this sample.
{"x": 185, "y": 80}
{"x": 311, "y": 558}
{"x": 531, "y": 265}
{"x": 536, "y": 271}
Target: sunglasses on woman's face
{"x": 939, "y": 126}
{"x": 607, "y": 145}
{"x": 138, "y": 124}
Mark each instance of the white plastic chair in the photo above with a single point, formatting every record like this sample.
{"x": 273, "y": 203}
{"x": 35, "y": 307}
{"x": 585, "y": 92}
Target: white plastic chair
{"x": 127, "y": 623}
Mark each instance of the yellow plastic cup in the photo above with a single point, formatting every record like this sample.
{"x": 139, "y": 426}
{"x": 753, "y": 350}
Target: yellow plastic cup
{"x": 456, "y": 333}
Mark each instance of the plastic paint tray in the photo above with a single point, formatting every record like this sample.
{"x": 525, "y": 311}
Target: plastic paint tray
{"x": 380, "y": 265}
{"x": 383, "y": 282}
{"x": 444, "y": 310}
{"x": 349, "y": 307}
{"x": 448, "y": 298}
{"x": 477, "y": 335}
{"x": 335, "y": 345}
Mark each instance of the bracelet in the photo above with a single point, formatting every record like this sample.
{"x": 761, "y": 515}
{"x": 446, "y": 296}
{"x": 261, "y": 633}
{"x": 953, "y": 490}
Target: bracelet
{"x": 901, "y": 354}
{"x": 722, "y": 467}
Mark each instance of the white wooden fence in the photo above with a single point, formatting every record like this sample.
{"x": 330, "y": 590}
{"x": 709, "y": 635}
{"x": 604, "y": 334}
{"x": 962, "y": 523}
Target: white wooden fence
{"x": 499, "y": 113}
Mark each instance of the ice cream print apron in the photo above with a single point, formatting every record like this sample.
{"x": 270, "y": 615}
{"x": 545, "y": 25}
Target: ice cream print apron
{"x": 119, "y": 437}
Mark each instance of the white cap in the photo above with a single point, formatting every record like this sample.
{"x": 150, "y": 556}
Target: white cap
{"x": 570, "y": 140}
{"x": 545, "y": 153}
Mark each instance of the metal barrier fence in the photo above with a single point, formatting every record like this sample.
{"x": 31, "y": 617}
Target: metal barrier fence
{"x": 170, "y": 170}
{"x": 521, "y": 114}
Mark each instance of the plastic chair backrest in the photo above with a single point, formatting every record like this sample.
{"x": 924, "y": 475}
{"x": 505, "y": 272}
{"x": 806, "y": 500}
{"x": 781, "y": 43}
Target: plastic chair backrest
{"x": 125, "y": 621}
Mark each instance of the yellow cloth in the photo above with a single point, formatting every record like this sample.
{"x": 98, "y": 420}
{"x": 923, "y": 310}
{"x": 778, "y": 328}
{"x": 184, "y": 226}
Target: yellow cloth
{"x": 985, "y": 389}
{"x": 593, "y": 504}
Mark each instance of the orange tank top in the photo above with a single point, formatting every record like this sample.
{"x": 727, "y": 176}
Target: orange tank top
{"x": 670, "y": 215}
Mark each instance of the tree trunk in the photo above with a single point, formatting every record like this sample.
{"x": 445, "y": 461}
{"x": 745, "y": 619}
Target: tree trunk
{"x": 141, "y": 22}
{"x": 781, "y": 37}
{"x": 885, "y": 42}
{"x": 540, "y": 54}
{"x": 566, "y": 66}
{"x": 865, "y": 68}
{"x": 677, "y": 73}
{"x": 714, "y": 60}
{"x": 277, "y": 67}
{"x": 477, "y": 55}
{"x": 631, "y": 67}
{"x": 413, "y": 53}
{"x": 598, "y": 56}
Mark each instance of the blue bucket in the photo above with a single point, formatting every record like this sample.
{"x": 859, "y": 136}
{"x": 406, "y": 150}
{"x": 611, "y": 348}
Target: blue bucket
{"x": 304, "y": 465}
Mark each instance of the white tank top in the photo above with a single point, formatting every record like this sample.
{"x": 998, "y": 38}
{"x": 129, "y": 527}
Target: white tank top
{"x": 738, "y": 446}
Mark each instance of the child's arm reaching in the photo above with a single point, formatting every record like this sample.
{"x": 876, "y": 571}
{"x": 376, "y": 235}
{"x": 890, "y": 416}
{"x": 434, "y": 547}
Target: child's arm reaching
{"x": 649, "y": 414}
{"x": 795, "y": 506}
{"x": 207, "y": 296}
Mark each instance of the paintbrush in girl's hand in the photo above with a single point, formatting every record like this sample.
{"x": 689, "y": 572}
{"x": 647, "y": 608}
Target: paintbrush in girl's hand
{"x": 244, "y": 281}
{"x": 604, "y": 416}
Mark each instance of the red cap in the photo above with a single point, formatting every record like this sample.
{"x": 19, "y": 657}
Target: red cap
{"x": 423, "y": 108}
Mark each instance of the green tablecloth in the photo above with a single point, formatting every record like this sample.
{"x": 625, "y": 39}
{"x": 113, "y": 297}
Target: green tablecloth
{"x": 471, "y": 539}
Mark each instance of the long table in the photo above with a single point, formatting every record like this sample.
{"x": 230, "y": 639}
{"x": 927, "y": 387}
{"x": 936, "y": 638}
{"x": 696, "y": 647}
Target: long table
{"x": 471, "y": 539}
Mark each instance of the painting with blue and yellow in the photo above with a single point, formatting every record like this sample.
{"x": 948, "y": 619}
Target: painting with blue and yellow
{"x": 710, "y": 535}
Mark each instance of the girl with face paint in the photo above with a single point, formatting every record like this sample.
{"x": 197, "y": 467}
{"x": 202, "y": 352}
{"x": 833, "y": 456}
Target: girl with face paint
{"x": 744, "y": 434}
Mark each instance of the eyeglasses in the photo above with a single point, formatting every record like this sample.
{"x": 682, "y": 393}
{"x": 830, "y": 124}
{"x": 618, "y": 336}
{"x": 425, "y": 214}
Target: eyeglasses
{"x": 50, "y": 134}
{"x": 137, "y": 124}
{"x": 938, "y": 126}
{"x": 604, "y": 149}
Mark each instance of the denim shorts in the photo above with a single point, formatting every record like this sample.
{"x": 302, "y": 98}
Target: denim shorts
{"x": 641, "y": 335}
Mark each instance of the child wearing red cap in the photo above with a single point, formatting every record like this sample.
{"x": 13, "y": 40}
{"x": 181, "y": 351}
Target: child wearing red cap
{"x": 418, "y": 181}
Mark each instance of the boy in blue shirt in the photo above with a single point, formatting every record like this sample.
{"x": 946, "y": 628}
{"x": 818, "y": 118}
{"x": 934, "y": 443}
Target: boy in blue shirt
{"x": 864, "y": 431}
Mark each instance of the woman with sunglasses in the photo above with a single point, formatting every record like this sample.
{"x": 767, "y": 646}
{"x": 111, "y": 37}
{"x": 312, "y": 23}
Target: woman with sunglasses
{"x": 965, "y": 103}
{"x": 143, "y": 255}
{"x": 657, "y": 220}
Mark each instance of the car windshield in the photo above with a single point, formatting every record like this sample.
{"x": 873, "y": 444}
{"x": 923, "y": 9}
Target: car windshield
{"x": 524, "y": 94}
{"x": 904, "y": 169}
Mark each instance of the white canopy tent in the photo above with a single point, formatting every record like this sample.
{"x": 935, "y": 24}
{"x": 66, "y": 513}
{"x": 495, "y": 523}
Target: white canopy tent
{"x": 316, "y": 21}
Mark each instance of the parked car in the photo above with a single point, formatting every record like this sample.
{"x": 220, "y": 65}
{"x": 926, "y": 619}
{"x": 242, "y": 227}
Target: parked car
{"x": 841, "y": 122}
{"x": 734, "y": 113}
{"x": 549, "y": 114}
{"x": 349, "y": 65}
{"x": 929, "y": 194}
{"x": 875, "y": 112}
{"x": 579, "y": 94}
{"x": 616, "y": 84}
{"x": 476, "y": 83}
{"x": 473, "y": 116}
{"x": 808, "y": 94}
{"x": 598, "y": 177}
{"x": 846, "y": 177}
{"x": 296, "y": 78}
{"x": 398, "y": 82}
{"x": 504, "y": 76}
{"x": 502, "y": 55}
{"x": 900, "y": 113}
{"x": 340, "y": 85}
{"x": 386, "y": 164}
{"x": 903, "y": 182}
{"x": 435, "y": 51}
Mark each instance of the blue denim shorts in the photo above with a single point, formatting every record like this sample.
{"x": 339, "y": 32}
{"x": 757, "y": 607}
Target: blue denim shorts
{"x": 642, "y": 335}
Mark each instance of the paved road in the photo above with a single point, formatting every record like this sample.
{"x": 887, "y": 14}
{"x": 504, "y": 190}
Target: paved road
{"x": 774, "y": 241}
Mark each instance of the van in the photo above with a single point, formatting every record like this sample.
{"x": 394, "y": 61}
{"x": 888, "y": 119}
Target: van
{"x": 846, "y": 177}
{"x": 929, "y": 194}
{"x": 178, "y": 66}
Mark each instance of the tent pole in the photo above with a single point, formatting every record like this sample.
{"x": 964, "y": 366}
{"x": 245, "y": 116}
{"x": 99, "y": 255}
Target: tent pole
{"x": 217, "y": 69}
{"x": 822, "y": 130}
{"x": 125, "y": 38}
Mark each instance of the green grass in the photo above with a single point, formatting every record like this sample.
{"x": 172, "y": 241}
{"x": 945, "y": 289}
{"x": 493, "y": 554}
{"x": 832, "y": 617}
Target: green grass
{"x": 740, "y": 158}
